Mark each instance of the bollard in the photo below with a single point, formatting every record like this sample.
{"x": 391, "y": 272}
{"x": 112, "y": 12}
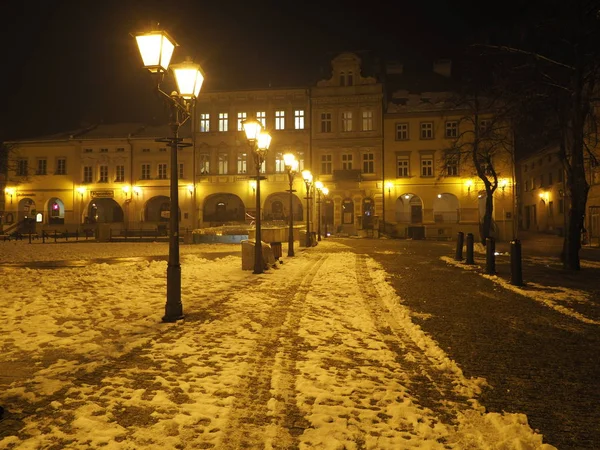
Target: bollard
{"x": 470, "y": 241}
{"x": 30, "y": 236}
{"x": 490, "y": 256}
{"x": 43, "y": 237}
{"x": 55, "y": 236}
{"x": 516, "y": 269}
{"x": 460, "y": 240}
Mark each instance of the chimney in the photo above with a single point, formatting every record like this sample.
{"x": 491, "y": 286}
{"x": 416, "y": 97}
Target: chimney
{"x": 443, "y": 67}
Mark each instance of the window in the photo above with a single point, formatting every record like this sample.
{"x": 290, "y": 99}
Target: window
{"x": 280, "y": 120}
{"x": 42, "y": 165}
{"x": 120, "y": 149}
{"x": 326, "y": 167}
{"x": 181, "y": 173}
{"x": 242, "y": 163}
{"x": 103, "y": 150}
{"x": 402, "y": 166}
{"x": 145, "y": 171}
{"x": 204, "y": 163}
{"x": 451, "y": 129}
{"x": 347, "y": 121}
{"x": 22, "y": 168}
{"x": 368, "y": 163}
{"x": 87, "y": 150}
{"x": 526, "y": 185}
{"x": 87, "y": 174}
{"x": 146, "y": 150}
{"x": 542, "y": 180}
{"x": 325, "y": 122}
{"x": 560, "y": 176}
{"x": 279, "y": 163}
{"x": 367, "y": 120}
{"x": 223, "y": 122}
{"x": 426, "y": 166}
{"x": 347, "y": 161}
{"x": 550, "y": 179}
{"x": 241, "y": 116}
{"x": 561, "y": 206}
{"x": 484, "y": 125}
{"x": 261, "y": 116}
{"x": 222, "y": 164}
{"x": 162, "y": 149}
{"x": 401, "y": 131}
{"x": 120, "y": 173}
{"x": 162, "y": 171}
{"x": 426, "y": 130}
{"x": 452, "y": 165}
{"x": 551, "y": 209}
{"x": 61, "y": 166}
{"x": 103, "y": 174}
{"x": 300, "y": 158}
{"x": 350, "y": 79}
{"x": 299, "y": 119}
{"x": 204, "y": 122}
{"x": 342, "y": 79}
{"x": 525, "y": 168}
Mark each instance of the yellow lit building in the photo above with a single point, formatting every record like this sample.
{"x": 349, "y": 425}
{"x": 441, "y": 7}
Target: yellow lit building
{"x": 378, "y": 148}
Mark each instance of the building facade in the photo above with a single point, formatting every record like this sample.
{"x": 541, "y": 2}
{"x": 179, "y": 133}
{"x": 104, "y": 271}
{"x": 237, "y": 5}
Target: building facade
{"x": 380, "y": 150}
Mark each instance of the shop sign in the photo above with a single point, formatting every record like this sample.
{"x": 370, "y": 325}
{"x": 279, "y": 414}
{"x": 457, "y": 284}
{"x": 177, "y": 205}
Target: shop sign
{"x": 109, "y": 193}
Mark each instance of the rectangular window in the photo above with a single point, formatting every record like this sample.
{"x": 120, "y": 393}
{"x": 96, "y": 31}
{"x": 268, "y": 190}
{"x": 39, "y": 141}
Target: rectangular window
{"x": 280, "y": 120}
{"x": 299, "y": 119}
{"x": 347, "y": 161}
{"x": 103, "y": 150}
{"x": 551, "y": 209}
{"x": 550, "y": 179}
{"x": 368, "y": 163}
{"x": 42, "y": 166}
{"x": 223, "y": 122}
{"x": 103, "y": 174}
{"x": 145, "y": 172}
{"x": 241, "y": 116}
{"x": 367, "y": 120}
{"x": 402, "y": 166}
{"x": 120, "y": 173}
{"x": 61, "y": 166}
{"x": 300, "y": 158}
{"x": 452, "y": 165}
{"x": 325, "y": 122}
{"x": 87, "y": 150}
{"x": 204, "y": 123}
{"x": 146, "y": 150}
{"x": 526, "y": 185}
{"x": 261, "y": 116}
{"x": 326, "y": 166}
{"x": 426, "y": 130}
{"x": 87, "y": 174}
{"x": 242, "y": 163}
{"x": 279, "y": 164}
{"x": 22, "y": 168}
{"x": 484, "y": 125}
{"x": 204, "y": 163}
{"x": 426, "y": 166}
{"x": 451, "y": 129}
{"x": 162, "y": 171}
{"x": 162, "y": 149}
{"x": 401, "y": 131}
{"x": 222, "y": 164}
{"x": 347, "y": 121}
{"x": 120, "y": 149}
{"x": 542, "y": 180}
{"x": 181, "y": 173}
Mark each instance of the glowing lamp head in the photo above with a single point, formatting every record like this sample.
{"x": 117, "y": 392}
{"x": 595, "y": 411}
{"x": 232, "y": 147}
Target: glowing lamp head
{"x": 189, "y": 78}
{"x": 307, "y": 176}
{"x": 319, "y": 185}
{"x": 252, "y": 128}
{"x": 156, "y": 49}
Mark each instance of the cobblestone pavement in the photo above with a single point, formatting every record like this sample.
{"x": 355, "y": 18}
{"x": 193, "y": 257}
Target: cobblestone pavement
{"x": 537, "y": 360}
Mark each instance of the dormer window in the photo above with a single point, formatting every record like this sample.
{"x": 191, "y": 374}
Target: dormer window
{"x": 342, "y": 79}
{"x": 350, "y": 78}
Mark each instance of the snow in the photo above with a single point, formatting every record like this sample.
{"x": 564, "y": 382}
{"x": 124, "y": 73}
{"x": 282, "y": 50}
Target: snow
{"x": 313, "y": 354}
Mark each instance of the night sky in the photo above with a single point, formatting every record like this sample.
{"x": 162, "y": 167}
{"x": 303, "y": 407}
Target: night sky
{"x": 72, "y": 63}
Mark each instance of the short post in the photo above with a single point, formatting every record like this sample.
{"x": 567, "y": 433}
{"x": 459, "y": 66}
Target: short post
{"x": 516, "y": 269}
{"x": 490, "y": 256}
{"x": 460, "y": 240}
{"x": 30, "y": 236}
{"x": 470, "y": 241}
{"x": 55, "y": 236}
{"x": 66, "y": 235}
{"x": 43, "y": 237}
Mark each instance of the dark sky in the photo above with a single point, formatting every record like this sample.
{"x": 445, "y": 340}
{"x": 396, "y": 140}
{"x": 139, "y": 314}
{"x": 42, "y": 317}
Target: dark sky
{"x": 72, "y": 62}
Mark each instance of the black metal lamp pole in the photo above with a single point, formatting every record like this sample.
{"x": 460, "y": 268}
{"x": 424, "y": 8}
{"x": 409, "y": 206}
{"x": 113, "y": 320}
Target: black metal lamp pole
{"x": 319, "y": 214}
{"x": 291, "y": 229}
{"x": 307, "y": 182}
{"x": 258, "y": 256}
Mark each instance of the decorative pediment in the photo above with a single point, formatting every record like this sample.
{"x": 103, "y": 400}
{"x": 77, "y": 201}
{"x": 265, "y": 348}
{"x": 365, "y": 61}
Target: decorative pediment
{"x": 346, "y": 71}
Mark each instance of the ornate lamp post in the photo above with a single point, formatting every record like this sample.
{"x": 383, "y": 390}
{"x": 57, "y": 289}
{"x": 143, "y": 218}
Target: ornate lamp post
{"x": 308, "y": 179}
{"x": 325, "y": 192}
{"x": 259, "y": 141}
{"x": 156, "y": 49}
{"x": 291, "y": 165}
{"x": 319, "y": 188}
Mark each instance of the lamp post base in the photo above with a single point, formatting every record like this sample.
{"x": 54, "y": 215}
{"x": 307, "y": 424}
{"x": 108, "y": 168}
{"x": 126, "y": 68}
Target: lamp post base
{"x": 173, "y": 307}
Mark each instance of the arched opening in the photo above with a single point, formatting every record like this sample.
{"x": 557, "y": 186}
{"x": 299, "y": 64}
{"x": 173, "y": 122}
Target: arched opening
{"x": 277, "y": 207}
{"x": 368, "y": 211}
{"x": 158, "y": 209}
{"x": 328, "y": 216}
{"x": 445, "y": 208}
{"x": 409, "y": 209}
{"x": 26, "y": 215}
{"x": 222, "y": 208}
{"x": 56, "y": 211}
{"x": 104, "y": 210}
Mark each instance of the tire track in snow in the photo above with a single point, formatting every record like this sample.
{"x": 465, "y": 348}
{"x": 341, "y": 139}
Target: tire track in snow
{"x": 265, "y": 407}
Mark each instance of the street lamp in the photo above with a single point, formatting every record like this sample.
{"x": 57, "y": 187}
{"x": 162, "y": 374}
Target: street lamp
{"x": 156, "y": 49}
{"x": 319, "y": 187}
{"x": 291, "y": 165}
{"x": 308, "y": 178}
{"x": 325, "y": 192}
{"x": 259, "y": 141}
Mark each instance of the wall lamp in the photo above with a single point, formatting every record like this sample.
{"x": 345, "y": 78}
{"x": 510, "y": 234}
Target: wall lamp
{"x": 190, "y": 188}
{"x": 10, "y": 191}
{"x": 388, "y": 186}
{"x": 137, "y": 190}
{"x": 81, "y": 190}
{"x": 469, "y": 184}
